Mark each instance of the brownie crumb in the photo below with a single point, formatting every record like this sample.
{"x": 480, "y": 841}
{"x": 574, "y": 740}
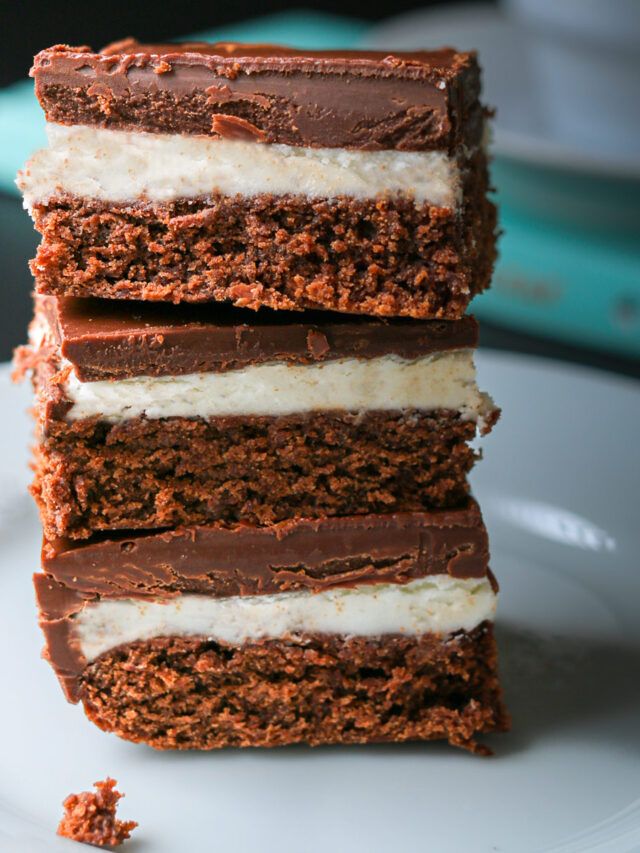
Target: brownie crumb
{"x": 91, "y": 817}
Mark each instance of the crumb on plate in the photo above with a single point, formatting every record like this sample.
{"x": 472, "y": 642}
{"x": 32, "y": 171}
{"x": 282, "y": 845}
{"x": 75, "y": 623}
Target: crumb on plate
{"x": 91, "y": 817}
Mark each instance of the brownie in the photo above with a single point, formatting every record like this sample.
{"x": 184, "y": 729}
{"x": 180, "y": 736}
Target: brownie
{"x": 200, "y": 690}
{"x": 139, "y": 472}
{"x": 380, "y": 251}
{"x": 304, "y": 555}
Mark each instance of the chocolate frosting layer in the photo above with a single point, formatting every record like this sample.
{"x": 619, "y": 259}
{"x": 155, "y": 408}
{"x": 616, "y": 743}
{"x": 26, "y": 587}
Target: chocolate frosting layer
{"x": 352, "y": 99}
{"x": 311, "y": 554}
{"x": 110, "y": 339}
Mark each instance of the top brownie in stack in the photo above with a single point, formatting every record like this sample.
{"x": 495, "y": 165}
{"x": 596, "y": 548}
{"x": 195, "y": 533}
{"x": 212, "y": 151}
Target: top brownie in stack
{"x": 264, "y": 176}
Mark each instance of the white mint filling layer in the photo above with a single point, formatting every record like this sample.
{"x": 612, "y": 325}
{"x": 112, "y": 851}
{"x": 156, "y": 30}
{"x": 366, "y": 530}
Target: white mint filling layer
{"x": 437, "y": 381}
{"x": 436, "y": 604}
{"x": 115, "y": 165}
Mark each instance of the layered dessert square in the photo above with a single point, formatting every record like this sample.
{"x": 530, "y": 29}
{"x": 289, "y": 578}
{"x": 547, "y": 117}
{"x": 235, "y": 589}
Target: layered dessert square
{"x": 154, "y": 416}
{"x": 257, "y": 524}
{"x": 350, "y": 630}
{"x": 263, "y": 176}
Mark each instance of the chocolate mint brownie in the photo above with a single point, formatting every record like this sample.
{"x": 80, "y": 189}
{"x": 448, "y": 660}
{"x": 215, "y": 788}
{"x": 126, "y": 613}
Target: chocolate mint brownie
{"x": 341, "y": 180}
{"x": 365, "y": 628}
{"x": 155, "y": 416}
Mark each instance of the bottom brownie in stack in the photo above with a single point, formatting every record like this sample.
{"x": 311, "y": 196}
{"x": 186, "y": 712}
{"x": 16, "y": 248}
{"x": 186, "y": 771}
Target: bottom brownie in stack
{"x": 336, "y": 630}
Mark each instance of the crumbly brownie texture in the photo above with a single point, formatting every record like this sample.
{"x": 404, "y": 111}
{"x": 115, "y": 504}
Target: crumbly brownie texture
{"x": 90, "y": 817}
{"x": 190, "y": 693}
{"x": 346, "y": 99}
{"x": 145, "y": 474}
{"x": 384, "y": 257}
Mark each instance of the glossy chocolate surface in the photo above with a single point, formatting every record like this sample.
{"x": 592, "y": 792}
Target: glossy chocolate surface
{"x": 310, "y": 554}
{"x": 112, "y": 339}
{"x": 352, "y": 99}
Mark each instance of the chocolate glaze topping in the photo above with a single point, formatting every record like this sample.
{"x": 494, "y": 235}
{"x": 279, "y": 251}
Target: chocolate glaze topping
{"x": 308, "y": 554}
{"x": 109, "y": 339}
{"x": 353, "y": 99}
{"x": 242, "y": 560}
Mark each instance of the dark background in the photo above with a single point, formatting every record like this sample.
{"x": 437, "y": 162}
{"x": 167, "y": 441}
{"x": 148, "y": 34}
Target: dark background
{"x": 29, "y": 26}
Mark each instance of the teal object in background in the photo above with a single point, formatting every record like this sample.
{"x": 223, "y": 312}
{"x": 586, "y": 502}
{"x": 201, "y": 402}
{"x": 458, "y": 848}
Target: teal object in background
{"x": 569, "y": 264}
{"x": 567, "y": 284}
{"x": 22, "y": 126}
{"x": 569, "y": 257}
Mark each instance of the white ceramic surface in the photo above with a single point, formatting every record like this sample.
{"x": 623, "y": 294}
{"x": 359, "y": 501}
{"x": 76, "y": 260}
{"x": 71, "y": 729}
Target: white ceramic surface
{"x": 559, "y": 489}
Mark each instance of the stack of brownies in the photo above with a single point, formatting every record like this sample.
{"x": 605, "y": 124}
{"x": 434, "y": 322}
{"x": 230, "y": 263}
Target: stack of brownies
{"x": 257, "y": 523}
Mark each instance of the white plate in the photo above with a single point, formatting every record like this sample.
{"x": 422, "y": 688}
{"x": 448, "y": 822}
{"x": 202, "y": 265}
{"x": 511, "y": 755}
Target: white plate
{"x": 559, "y": 488}
{"x": 521, "y": 128}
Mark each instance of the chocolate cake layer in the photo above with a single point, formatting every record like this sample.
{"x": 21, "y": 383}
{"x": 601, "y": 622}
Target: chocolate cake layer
{"x": 302, "y": 554}
{"x": 188, "y": 693}
{"x": 350, "y": 99}
{"x": 381, "y": 256}
{"x": 109, "y": 339}
{"x": 154, "y": 473}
